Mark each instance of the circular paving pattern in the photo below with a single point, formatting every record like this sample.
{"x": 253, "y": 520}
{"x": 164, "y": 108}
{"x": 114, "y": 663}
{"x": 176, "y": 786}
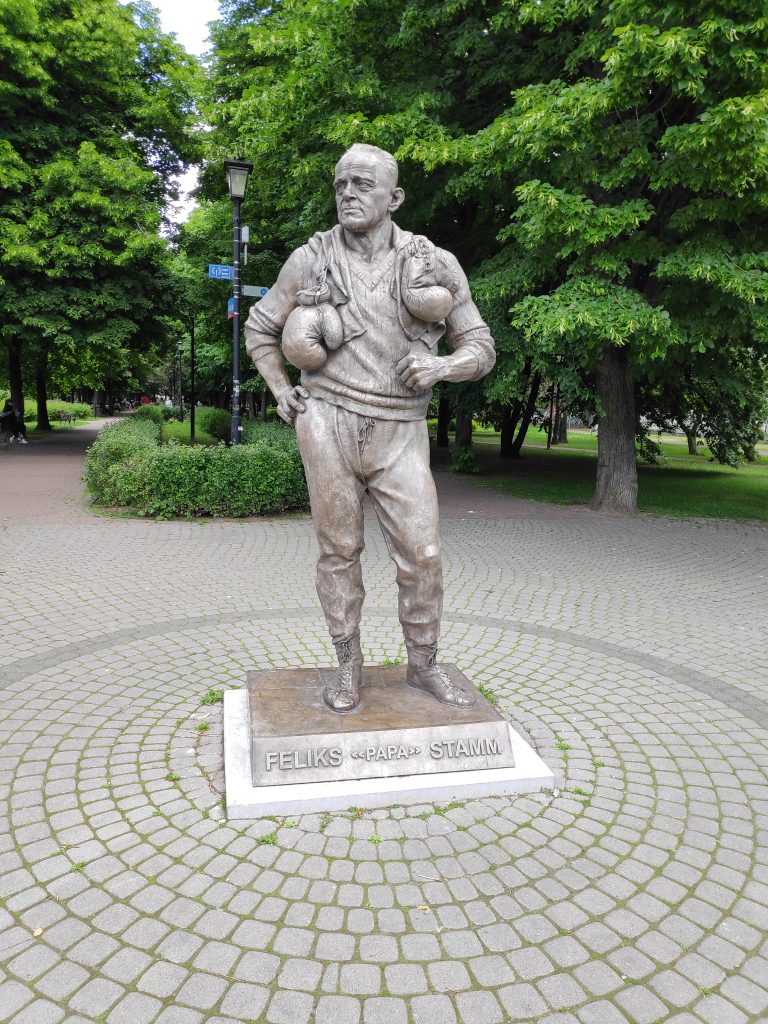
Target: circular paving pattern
{"x": 636, "y": 891}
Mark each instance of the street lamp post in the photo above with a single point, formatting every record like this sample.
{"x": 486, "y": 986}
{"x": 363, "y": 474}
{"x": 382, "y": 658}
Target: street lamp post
{"x": 237, "y": 179}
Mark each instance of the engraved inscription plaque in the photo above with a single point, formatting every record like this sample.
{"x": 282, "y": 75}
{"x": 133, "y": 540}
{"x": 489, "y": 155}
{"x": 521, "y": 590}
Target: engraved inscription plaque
{"x": 397, "y": 731}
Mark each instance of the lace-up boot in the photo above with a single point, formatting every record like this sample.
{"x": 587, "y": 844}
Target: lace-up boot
{"x": 424, "y": 674}
{"x": 343, "y": 694}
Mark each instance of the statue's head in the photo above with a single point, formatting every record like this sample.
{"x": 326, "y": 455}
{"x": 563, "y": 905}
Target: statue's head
{"x": 366, "y": 188}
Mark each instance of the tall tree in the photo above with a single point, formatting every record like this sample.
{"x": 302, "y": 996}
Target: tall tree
{"x": 600, "y": 168}
{"x": 99, "y": 118}
{"x": 637, "y": 158}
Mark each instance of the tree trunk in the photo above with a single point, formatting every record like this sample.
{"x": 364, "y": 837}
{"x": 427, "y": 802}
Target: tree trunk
{"x": 508, "y": 423}
{"x": 616, "y": 484}
{"x": 263, "y": 406}
{"x": 463, "y": 430}
{"x": 41, "y": 384}
{"x": 525, "y": 422}
{"x": 690, "y": 436}
{"x": 443, "y": 418}
{"x": 15, "y": 380}
{"x": 556, "y": 417}
{"x": 251, "y": 399}
{"x": 562, "y": 430}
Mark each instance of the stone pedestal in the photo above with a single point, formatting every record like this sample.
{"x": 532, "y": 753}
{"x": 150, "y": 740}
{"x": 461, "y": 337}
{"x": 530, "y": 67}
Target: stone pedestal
{"x": 286, "y": 753}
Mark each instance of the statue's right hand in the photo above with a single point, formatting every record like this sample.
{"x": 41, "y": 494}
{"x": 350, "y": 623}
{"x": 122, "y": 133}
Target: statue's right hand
{"x": 290, "y": 403}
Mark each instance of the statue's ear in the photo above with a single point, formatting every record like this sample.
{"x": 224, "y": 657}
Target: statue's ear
{"x": 397, "y": 200}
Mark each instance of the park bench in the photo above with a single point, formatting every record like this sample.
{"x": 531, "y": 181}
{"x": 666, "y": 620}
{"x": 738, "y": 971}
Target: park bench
{"x": 66, "y": 417}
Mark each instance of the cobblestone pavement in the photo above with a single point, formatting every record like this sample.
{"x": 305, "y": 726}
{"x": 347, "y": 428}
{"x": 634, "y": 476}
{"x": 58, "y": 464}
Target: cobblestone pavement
{"x": 631, "y": 653}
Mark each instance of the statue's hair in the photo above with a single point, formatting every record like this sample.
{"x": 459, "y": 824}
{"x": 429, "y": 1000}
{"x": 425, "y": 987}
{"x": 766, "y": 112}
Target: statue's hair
{"x": 381, "y": 155}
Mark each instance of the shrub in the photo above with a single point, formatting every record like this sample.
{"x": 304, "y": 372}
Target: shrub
{"x": 116, "y": 445}
{"x": 216, "y": 422}
{"x": 464, "y": 461}
{"x": 155, "y": 413}
{"x": 80, "y": 410}
{"x": 127, "y": 466}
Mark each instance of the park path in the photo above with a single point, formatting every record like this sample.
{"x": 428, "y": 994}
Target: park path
{"x": 42, "y": 481}
{"x": 632, "y": 653}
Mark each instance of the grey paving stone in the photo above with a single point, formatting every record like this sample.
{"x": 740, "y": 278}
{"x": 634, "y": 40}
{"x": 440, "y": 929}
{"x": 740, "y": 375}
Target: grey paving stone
{"x": 384, "y": 1010}
{"x": 360, "y": 980}
{"x": 245, "y": 1002}
{"x": 449, "y": 976}
{"x": 179, "y": 947}
{"x": 338, "y": 946}
{"x": 126, "y": 965}
{"x": 145, "y": 933}
{"x": 436, "y": 1009}
{"x": 257, "y": 967}
{"x": 602, "y": 1012}
{"x": 162, "y": 979}
{"x": 290, "y": 1008}
{"x": 39, "y": 1012}
{"x": 33, "y": 962}
{"x": 96, "y": 997}
{"x": 420, "y": 947}
{"x": 641, "y": 1005}
{"x": 300, "y": 974}
{"x": 135, "y": 1009}
{"x": 479, "y": 1007}
{"x": 14, "y": 995}
{"x": 373, "y": 948}
{"x": 521, "y": 1002}
{"x": 337, "y": 1010}
{"x": 201, "y": 991}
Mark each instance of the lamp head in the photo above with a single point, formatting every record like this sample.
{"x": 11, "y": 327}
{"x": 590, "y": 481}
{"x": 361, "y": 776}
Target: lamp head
{"x": 237, "y": 176}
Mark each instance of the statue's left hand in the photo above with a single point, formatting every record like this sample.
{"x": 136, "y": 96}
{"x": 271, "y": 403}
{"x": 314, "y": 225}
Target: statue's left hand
{"x": 421, "y": 370}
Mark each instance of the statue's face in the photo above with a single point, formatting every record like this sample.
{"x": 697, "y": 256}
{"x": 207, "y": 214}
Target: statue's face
{"x": 365, "y": 192}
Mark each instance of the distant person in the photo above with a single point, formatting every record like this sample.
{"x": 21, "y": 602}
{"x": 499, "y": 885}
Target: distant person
{"x": 12, "y": 425}
{"x": 144, "y": 400}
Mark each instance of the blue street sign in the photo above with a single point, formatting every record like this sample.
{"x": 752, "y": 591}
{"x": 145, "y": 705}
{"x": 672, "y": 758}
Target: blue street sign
{"x": 220, "y": 271}
{"x": 254, "y": 291}
{"x": 230, "y": 308}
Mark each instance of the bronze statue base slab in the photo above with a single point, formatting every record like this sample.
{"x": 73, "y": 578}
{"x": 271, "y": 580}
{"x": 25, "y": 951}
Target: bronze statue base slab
{"x": 286, "y": 752}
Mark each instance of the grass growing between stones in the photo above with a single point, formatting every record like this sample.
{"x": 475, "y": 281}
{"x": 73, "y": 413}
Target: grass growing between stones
{"x": 681, "y": 485}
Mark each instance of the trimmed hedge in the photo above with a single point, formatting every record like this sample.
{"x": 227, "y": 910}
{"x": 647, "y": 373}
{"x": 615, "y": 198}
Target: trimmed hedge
{"x": 116, "y": 445}
{"x": 216, "y": 422}
{"x": 154, "y": 413}
{"x": 77, "y": 409}
{"x": 261, "y": 476}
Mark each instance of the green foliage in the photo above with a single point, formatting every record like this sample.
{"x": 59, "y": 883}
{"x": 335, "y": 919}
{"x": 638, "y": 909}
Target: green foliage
{"x": 216, "y": 422}
{"x": 153, "y": 413}
{"x": 98, "y": 117}
{"x": 212, "y": 697}
{"x": 464, "y": 461}
{"x": 127, "y": 466}
{"x": 55, "y": 408}
{"x": 116, "y": 445}
{"x": 600, "y": 169}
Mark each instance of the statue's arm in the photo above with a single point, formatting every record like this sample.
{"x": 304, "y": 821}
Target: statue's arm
{"x": 263, "y": 328}
{"x": 466, "y": 333}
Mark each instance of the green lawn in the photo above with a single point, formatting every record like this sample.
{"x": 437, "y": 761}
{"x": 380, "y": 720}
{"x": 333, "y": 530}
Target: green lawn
{"x": 680, "y": 485}
{"x": 180, "y": 432}
{"x": 36, "y": 434}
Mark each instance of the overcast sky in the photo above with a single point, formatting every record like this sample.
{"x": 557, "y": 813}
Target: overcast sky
{"x": 189, "y": 20}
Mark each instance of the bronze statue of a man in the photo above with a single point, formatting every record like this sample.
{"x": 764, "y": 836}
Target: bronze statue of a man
{"x": 361, "y": 309}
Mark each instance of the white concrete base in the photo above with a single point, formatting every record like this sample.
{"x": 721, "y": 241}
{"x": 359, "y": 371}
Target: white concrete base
{"x": 244, "y": 800}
